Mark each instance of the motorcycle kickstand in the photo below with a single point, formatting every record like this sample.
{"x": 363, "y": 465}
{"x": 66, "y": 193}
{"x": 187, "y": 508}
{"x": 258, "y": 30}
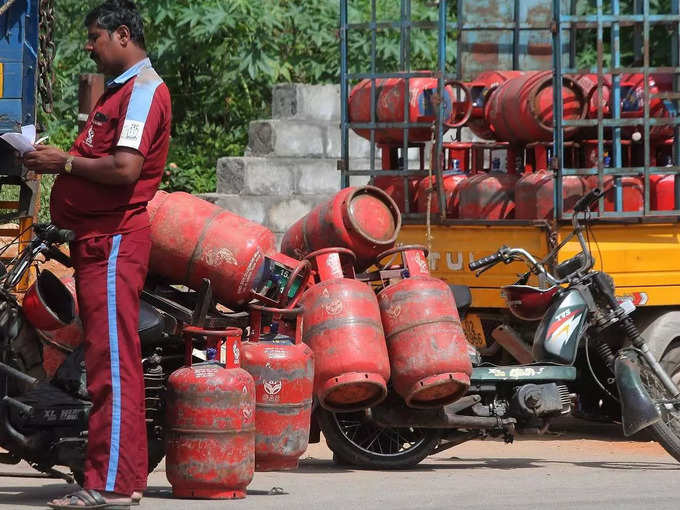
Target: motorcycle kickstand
{"x": 55, "y": 473}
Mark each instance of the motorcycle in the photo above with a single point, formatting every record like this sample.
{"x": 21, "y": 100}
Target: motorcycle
{"x": 44, "y": 420}
{"x": 586, "y": 343}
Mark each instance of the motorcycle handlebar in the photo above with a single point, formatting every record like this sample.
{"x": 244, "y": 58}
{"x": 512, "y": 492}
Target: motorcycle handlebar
{"x": 587, "y": 200}
{"x": 53, "y": 234}
{"x": 486, "y": 261}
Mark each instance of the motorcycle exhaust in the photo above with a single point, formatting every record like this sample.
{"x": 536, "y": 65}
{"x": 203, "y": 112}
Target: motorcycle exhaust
{"x": 638, "y": 410}
{"x": 441, "y": 418}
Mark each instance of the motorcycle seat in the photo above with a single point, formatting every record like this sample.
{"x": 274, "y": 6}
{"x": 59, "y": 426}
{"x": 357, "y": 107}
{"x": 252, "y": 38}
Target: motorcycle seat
{"x": 150, "y": 324}
{"x": 463, "y": 297}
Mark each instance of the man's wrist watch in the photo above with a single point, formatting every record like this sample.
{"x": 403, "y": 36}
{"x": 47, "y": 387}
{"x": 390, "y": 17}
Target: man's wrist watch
{"x": 68, "y": 166}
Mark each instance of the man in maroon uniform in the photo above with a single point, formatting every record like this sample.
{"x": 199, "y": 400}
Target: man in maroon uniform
{"x": 104, "y": 184}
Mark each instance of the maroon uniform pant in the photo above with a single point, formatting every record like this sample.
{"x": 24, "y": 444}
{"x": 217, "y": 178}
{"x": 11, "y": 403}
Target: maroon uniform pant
{"x": 110, "y": 273}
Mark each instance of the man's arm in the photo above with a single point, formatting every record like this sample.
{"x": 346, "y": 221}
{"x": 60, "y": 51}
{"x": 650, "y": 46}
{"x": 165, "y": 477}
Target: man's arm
{"x": 122, "y": 168}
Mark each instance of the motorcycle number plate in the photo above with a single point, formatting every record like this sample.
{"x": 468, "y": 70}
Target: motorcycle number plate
{"x": 472, "y": 326}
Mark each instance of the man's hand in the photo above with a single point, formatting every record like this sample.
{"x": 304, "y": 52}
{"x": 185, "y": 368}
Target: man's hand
{"x": 45, "y": 159}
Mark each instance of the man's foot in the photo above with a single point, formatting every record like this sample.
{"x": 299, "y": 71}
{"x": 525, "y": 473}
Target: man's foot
{"x": 136, "y": 498}
{"x": 89, "y": 499}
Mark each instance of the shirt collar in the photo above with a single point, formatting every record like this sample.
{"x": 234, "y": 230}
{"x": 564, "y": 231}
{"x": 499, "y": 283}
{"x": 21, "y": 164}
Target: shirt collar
{"x": 130, "y": 73}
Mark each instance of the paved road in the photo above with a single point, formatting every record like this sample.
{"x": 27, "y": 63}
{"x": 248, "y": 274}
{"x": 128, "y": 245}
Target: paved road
{"x": 561, "y": 471}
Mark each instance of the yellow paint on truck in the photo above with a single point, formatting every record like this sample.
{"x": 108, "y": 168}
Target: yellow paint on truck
{"x": 643, "y": 259}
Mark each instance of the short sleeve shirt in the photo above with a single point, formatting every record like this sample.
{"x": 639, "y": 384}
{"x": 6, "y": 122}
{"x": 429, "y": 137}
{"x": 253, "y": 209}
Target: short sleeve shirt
{"x": 133, "y": 112}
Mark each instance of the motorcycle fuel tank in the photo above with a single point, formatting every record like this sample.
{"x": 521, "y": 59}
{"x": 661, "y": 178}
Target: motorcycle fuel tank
{"x": 557, "y": 336}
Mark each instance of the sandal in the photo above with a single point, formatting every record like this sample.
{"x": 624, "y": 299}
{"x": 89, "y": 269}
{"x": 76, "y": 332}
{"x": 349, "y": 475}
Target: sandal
{"x": 89, "y": 499}
{"x": 136, "y": 498}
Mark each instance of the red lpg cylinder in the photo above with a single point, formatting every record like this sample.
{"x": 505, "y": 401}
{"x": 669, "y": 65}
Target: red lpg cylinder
{"x": 534, "y": 194}
{"x": 633, "y": 192}
{"x": 452, "y": 181}
{"x": 480, "y": 90}
{"x": 488, "y": 195}
{"x": 193, "y": 239}
{"x": 283, "y": 369}
{"x": 520, "y": 110}
{"x": 394, "y": 187}
{"x": 632, "y": 102}
{"x": 363, "y": 219}
{"x": 389, "y": 107}
{"x": 428, "y": 351}
{"x": 210, "y": 437}
{"x": 343, "y": 328}
{"x": 662, "y": 192}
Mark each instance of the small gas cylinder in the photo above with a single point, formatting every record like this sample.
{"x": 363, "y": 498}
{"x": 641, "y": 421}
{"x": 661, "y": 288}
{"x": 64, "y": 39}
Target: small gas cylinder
{"x": 389, "y": 107}
{"x": 480, "y": 90}
{"x": 520, "y": 110}
{"x": 363, "y": 219}
{"x": 193, "y": 239}
{"x": 452, "y": 179}
{"x": 343, "y": 328}
{"x": 428, "y": 353}
{"x": 534, "y": 194}
{"x": 210, "y": 434}
{"x": 488, "y": 195}
{"x": 283, "y": 369}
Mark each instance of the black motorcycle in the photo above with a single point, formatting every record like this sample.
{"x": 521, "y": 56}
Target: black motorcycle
{"x": 586, "y": 344}
{"x": 44, "y": 421}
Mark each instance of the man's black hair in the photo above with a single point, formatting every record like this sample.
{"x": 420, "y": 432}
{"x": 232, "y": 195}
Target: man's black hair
{"x": 113, "y": 13}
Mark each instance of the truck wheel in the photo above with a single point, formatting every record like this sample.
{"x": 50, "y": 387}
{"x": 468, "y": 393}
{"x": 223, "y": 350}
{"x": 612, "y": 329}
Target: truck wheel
{"x": 356, "y": 440}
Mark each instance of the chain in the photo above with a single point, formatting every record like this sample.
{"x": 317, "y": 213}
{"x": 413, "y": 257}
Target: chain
{"x": 46, "y": 55}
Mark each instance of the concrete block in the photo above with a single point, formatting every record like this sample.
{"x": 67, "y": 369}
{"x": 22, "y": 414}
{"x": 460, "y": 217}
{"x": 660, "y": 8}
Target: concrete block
{"x": 255, "y": 176}
{"x": 287, "y": 138}
{"x": 299, "y": 101}
{"x": 286, "y": 212}
{"x": 251, "y": 207}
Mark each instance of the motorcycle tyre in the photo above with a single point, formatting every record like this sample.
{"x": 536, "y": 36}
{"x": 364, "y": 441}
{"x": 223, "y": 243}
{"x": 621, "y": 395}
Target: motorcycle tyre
{"x": 156, "y": 452}
{"x": 663, "y": 434}
{"x": 346, "y": 452}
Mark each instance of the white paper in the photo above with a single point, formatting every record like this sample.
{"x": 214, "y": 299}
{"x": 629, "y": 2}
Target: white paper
{"x": 22, "y": 142}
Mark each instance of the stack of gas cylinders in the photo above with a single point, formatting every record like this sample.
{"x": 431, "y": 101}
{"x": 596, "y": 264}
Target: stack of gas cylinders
{"x": 373, "y": 318}
{"x": 509, "y": 175}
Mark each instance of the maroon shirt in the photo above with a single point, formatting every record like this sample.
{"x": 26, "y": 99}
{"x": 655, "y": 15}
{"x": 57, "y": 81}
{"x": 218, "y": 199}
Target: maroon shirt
{"x": 134, "y": 112}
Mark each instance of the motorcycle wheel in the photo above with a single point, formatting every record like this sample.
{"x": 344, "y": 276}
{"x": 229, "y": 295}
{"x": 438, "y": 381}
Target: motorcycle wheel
{"x": 358, "y": 441}
{"x": 667, "y": 430}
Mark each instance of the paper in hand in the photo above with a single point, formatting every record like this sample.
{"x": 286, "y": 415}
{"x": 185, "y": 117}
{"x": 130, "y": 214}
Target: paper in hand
{"x": 21, "y": 142}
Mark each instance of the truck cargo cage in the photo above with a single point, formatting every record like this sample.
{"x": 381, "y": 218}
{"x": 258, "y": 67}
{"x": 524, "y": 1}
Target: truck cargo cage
{"x": 620, "y": 122}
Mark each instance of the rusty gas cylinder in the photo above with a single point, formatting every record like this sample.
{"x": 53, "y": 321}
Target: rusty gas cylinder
{"x": 535, "y": 198}
{"x": 428, "y": 353}
{"x": 210, "y": 434}
{"x": 520, "y": 110}
{"x": 283, "y": 369}
{"x": 390, "y": 99}
{"x": 193, "y": 239}
{"x": 343, "y": 328}
{"x": 480, "y": 90}
{"x": 488, "y": 195}
{"x": 363, "y": 219}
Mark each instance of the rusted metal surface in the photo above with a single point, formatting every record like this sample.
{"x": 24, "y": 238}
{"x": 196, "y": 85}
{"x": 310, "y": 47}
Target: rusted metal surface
{"x": 535, "y": 194}
{"x": 343, "y": 328}
{"x": 520, "y": 110}
{"x": 428, "y": 352}
{"x": 283, "y": 369}
{"x": 210, "y": 437}
{"x": 193, "y": 239}
{"x": 363, "y": 219}
{"x": 488, "y": 196}
{"x": 511, "y": 342}
{"x": 504, "y": 35}
{"x": 389, "y": 101}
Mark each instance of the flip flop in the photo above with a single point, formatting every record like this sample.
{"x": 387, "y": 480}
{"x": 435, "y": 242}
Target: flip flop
{"x": 92, "y": 500}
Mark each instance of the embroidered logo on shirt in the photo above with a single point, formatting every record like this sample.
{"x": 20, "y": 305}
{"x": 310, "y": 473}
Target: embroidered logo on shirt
{"x": 90, "y": 137}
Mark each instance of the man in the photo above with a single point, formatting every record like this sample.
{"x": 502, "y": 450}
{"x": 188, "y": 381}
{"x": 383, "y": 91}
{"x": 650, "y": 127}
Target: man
{"x": 101, "y": 192}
